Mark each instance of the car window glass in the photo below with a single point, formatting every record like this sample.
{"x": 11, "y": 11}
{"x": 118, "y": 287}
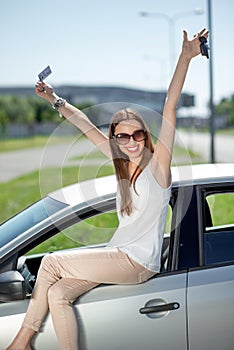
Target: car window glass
{"x": 28, "y": 218}
{"x": 221, "y": 206}
{"x": 167, "y": 229}
{"x": 219, "y": 228}
{"x": 97, "y": 229}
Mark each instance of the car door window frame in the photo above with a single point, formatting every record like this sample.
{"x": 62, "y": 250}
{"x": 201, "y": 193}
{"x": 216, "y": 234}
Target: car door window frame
{"x": 185, "y": 245}
{"x": 202, "y": 192}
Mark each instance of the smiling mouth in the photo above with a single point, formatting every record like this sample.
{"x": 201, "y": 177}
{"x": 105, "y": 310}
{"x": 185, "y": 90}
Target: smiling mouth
{"x": 133, "y": 149}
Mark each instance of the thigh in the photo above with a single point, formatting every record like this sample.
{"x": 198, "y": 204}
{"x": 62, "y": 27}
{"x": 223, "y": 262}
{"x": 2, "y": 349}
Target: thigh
{"x": 100, "y": 265}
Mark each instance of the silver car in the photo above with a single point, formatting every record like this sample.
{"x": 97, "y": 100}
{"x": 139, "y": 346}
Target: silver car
{"x": 189, "y": 305}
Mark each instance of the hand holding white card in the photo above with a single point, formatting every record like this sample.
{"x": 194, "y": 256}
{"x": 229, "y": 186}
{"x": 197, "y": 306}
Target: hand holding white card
{"x": 45, "y": 73}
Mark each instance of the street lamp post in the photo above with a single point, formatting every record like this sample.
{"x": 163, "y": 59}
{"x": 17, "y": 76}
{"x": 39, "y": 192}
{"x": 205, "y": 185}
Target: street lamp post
{"x": 211, "y": 102}
{"x": 171, "y": 23}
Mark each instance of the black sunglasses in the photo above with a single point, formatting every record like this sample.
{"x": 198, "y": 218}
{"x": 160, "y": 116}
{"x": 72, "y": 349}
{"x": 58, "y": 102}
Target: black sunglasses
{"x": 137, "y": 135}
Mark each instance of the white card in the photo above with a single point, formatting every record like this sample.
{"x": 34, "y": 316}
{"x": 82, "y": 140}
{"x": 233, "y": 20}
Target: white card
{"x": 45, "y": 73}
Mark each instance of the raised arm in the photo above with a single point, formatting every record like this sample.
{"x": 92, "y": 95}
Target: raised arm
{"x": 76, "y": 117}
{"x": 161, "y": 161}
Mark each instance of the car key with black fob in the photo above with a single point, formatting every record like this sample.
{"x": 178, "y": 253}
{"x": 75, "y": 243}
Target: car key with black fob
{"x": 204, "y": 46}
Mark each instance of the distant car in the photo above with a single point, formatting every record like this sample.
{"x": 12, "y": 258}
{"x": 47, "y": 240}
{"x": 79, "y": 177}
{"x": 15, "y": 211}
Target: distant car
{"x": 189, "y": 305}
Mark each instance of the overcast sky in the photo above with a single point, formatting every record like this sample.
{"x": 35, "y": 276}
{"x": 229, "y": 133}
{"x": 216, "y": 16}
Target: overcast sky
{"x": 107, "y": 42}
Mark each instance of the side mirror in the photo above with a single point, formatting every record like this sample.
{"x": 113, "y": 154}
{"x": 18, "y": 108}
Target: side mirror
{"x": 12, "y": 286}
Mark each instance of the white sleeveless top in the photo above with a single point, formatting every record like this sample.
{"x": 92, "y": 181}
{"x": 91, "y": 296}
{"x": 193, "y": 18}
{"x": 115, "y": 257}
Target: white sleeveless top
{"x": 140, "y": 235}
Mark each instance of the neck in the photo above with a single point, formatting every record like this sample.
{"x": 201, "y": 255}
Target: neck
{"x": 132, "y": 166}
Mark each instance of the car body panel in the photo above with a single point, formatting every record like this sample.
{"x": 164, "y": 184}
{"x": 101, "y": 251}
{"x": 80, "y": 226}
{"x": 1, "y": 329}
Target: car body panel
{"x": 211, "y": 309}
{"x": 113, "y": 321}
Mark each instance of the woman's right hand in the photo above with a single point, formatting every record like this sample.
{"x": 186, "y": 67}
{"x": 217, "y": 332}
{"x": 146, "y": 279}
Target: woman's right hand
{"x": 45, "y": 91}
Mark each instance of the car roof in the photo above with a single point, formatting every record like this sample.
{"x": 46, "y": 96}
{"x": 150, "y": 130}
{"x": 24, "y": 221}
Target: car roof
{"x": 86, "y": 191}
{"x": 186, "y": 175}
{"x": 202, "y": 174}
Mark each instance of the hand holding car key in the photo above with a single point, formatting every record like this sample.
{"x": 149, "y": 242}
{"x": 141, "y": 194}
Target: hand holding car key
{"x": 204, "y": 46}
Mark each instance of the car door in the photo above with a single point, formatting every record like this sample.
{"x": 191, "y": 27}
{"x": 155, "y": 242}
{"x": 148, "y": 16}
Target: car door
{"x": 211, "y": 286}
{"x": 129, "y": 317}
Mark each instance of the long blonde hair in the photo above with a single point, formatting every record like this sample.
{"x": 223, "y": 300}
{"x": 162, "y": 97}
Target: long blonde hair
{"x": 121, "y": 160}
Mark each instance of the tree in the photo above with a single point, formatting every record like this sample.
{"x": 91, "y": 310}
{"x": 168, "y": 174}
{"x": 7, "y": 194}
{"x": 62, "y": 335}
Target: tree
{"x": 17, "y": 109}
{"x": 226, "y": 107}
{"x": 3, "y": 121}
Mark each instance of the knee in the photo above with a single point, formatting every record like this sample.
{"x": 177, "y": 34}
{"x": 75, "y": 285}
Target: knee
{"x": 47, "y": 261}
{"x": 49, "y": 266}
{"x": 57, "y": 296}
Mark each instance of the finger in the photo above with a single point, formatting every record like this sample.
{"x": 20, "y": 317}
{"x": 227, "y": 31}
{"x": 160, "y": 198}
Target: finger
{"x": 185, "y": 35}
{"x": 204, "y": 32}
{"x": 40, "y": 86}
{"x": 40, "y": 89}
{"x": 39, "y": 82}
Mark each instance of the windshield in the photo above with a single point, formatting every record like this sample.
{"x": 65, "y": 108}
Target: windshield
{"x": 28, "y": 218}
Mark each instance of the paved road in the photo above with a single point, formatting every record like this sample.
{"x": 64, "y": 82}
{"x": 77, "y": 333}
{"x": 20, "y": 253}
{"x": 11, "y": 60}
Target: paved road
{"x": 17, "y": 163}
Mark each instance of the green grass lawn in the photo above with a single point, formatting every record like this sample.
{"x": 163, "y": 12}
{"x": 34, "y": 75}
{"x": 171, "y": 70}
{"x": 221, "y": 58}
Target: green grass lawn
{"x": 22, "y": 143}
{"x": 16, "y": 144}
{"x": 221, "y": 206}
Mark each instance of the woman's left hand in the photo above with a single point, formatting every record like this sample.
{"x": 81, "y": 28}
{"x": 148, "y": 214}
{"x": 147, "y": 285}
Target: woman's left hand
{"x": 191, "y": 48}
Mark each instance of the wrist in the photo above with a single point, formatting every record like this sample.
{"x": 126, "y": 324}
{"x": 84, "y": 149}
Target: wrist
{"x": 58, "y": 103}
{"x": 52, "y": 99}
{"x": 185, "y": 58}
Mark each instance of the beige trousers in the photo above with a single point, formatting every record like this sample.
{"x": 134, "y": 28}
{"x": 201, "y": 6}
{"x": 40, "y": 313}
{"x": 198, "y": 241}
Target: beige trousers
{"x": 64, "y": 276}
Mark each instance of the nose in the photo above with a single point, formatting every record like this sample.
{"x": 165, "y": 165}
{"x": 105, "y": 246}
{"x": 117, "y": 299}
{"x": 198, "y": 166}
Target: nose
{"x": 131, "y": 141}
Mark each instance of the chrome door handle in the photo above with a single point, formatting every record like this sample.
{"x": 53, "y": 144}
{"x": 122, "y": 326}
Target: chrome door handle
{"x": 159, "y": 308}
